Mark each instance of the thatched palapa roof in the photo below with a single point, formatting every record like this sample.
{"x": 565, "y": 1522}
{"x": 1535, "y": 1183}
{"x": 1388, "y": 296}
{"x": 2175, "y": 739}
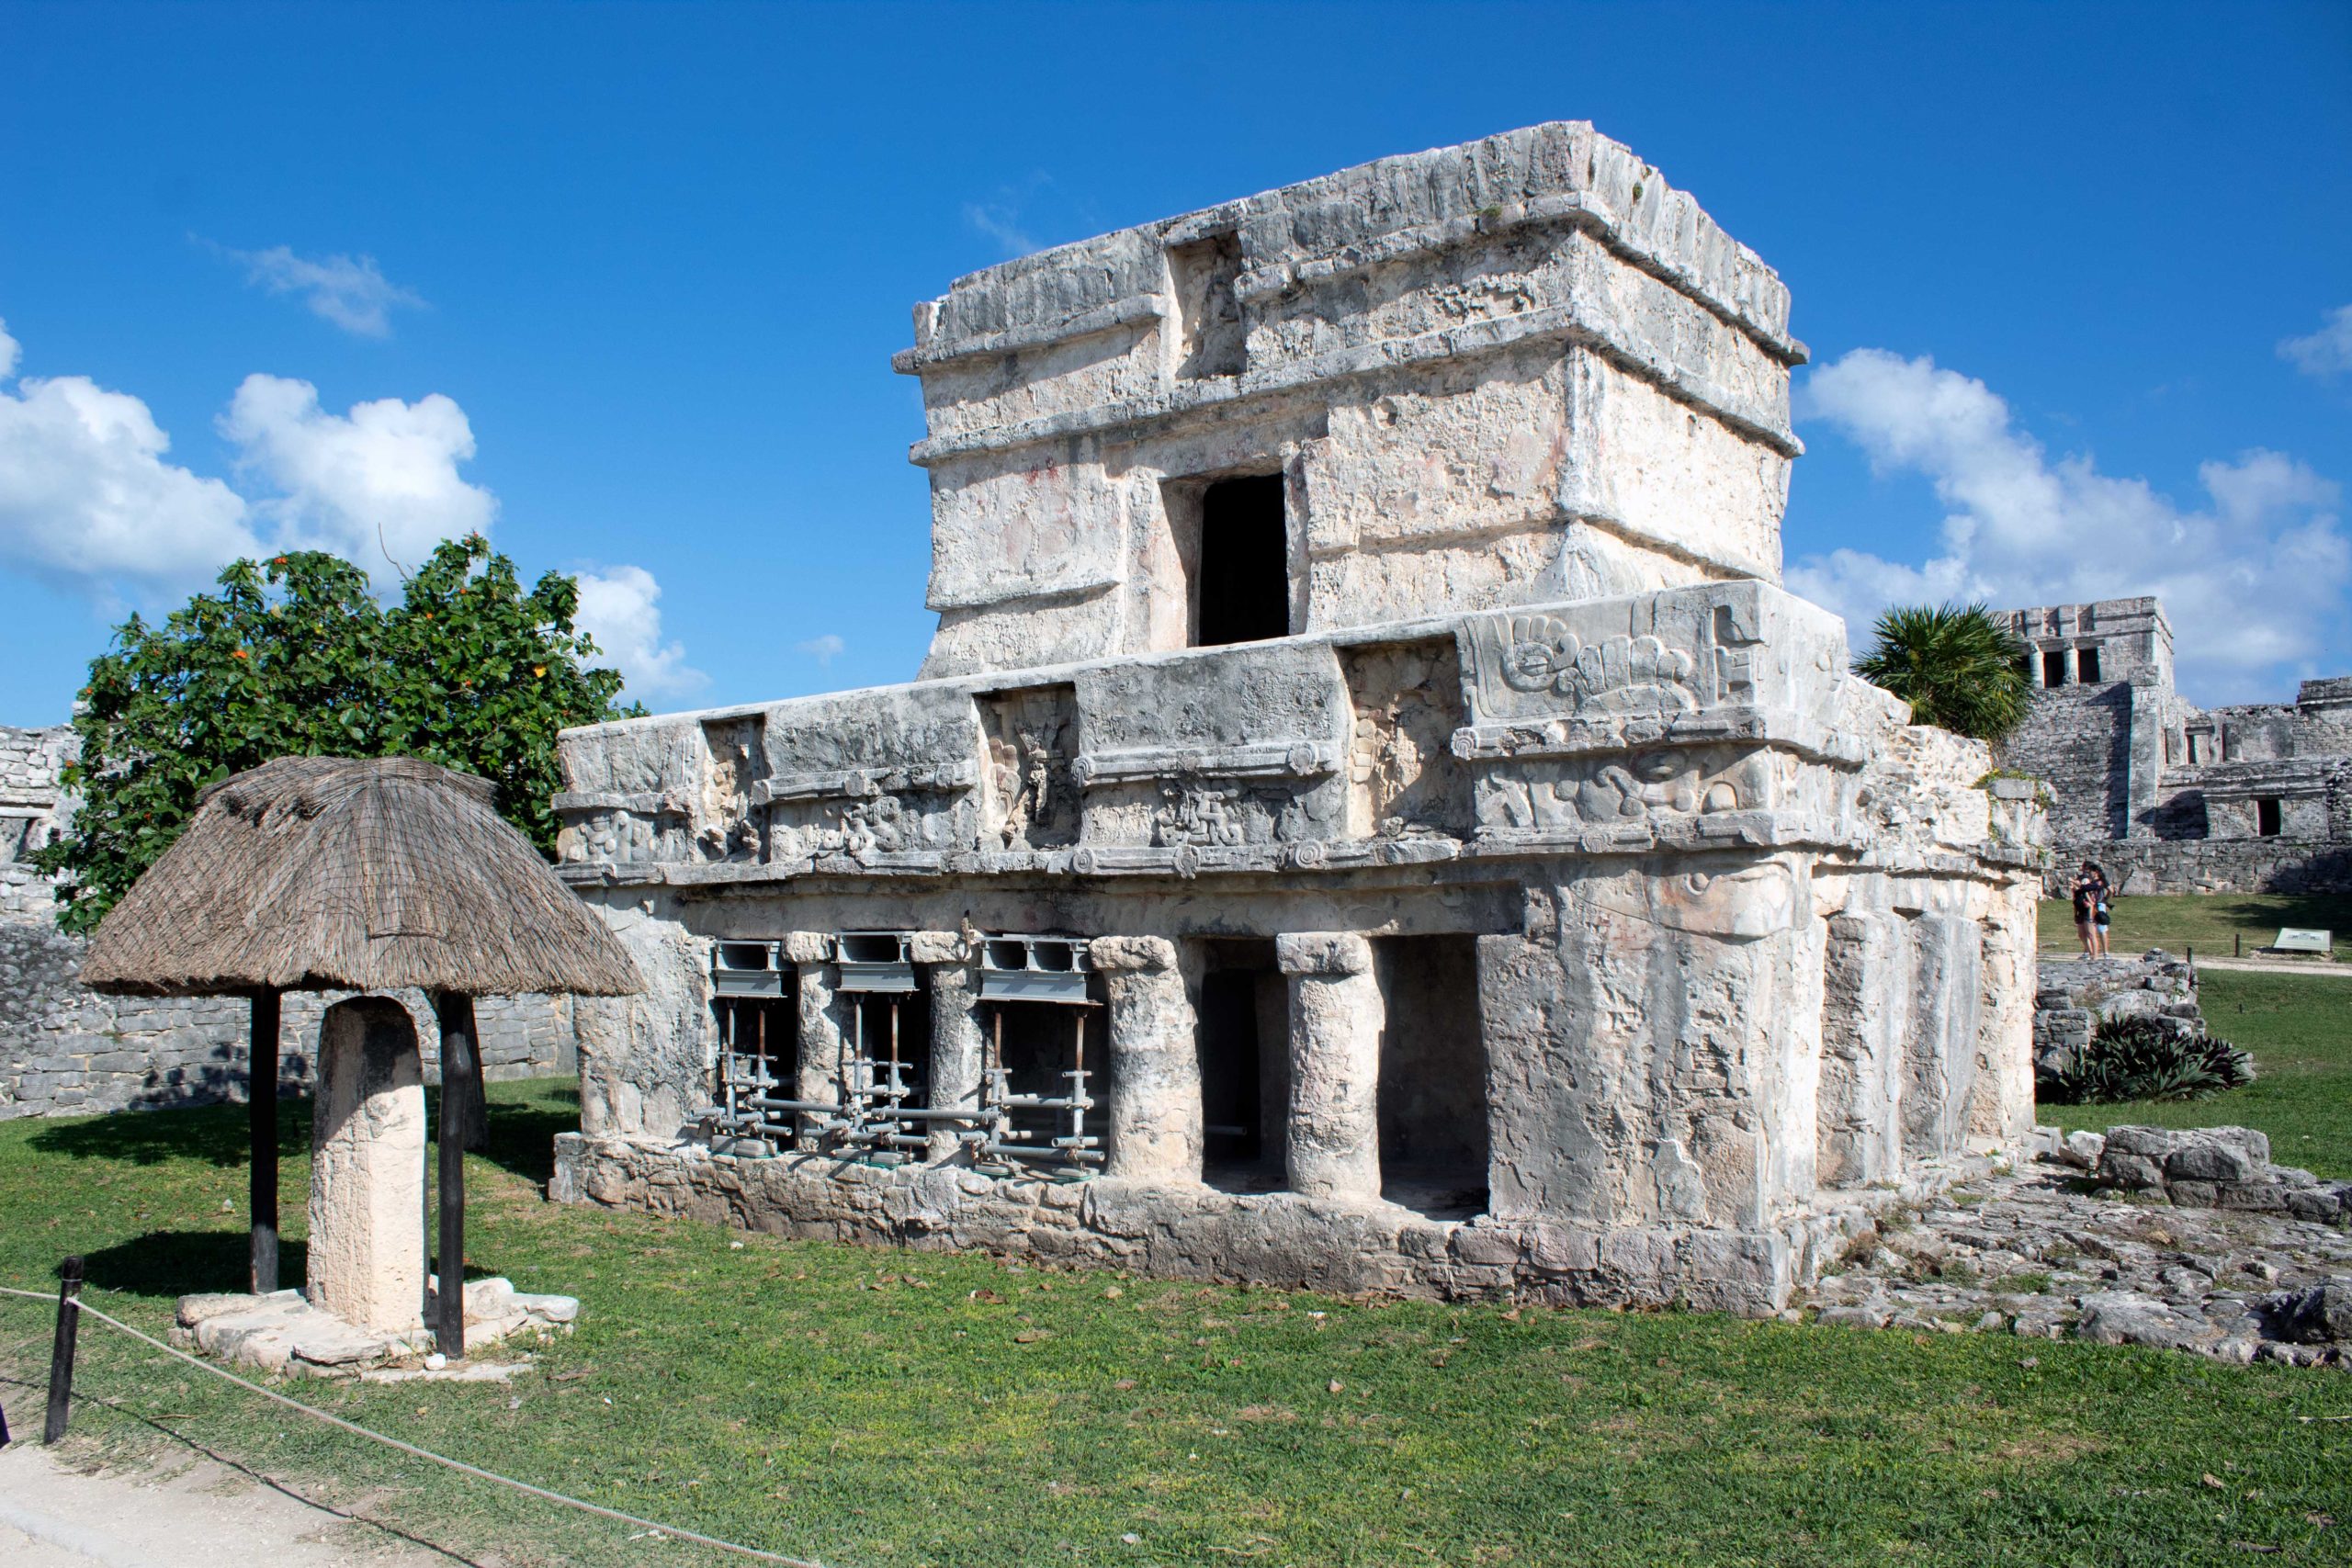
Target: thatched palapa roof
{"x": 336, "y": 873}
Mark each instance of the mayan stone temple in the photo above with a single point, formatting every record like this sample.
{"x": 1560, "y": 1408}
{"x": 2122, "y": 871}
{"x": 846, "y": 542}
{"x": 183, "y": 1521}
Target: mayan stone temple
{"x": 1370, "y": 818}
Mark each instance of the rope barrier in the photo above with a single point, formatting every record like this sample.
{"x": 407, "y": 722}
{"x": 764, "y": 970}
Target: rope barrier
{"x": 457, "y": 1465}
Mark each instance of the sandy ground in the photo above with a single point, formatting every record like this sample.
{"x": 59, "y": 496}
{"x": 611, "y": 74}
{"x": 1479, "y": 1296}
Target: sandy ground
{"x": 186, "y": 1512}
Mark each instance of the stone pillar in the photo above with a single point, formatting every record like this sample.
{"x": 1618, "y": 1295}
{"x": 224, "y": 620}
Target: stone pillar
{"x": 1865, "y": 1017}
{"x": 1336, "y": 1014}
{"x": 2002, "y": 1105}
{"x": 822, "y": 1051}
{"x": 366, "y": 1253}
{"x": 957, "y": 1048}
{"x": 1155, "y": 1060}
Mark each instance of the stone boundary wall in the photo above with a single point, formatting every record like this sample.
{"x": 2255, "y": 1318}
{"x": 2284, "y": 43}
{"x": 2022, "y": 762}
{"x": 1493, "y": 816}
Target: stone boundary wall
{"x": 1200, "y": 1233}
{"x": 68, "y": 1051}
{"x": 2207, "y": 865}
{"x": 2073, "y": 996}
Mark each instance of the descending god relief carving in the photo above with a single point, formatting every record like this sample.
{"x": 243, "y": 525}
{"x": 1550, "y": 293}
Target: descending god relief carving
{"x": 1028, "y": 740}
{"x": 1402, "y": 774}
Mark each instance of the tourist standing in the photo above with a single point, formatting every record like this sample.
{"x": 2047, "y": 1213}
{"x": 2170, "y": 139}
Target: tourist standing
{"x": 2089, "y": 894}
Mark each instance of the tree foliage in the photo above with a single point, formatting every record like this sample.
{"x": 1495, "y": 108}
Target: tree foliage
{"x": 1957, "y": 666}
{"x": 296, "y": 656}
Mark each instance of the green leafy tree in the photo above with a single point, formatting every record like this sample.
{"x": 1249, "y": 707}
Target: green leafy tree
{"x": 296, "y": 656}
{"x": 1957, "y": 666}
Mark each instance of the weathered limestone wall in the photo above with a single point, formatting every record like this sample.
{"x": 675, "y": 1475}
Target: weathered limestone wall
{"x": 33, "y": 808}
{"x": 1597, "y": 935}
{"x": 2172, "y": 798}
{"x": 1519, "y": 371}
{"x": 67, "y": 1050}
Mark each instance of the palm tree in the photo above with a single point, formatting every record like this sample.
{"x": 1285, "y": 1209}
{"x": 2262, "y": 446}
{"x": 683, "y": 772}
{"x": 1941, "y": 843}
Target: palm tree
{"x": 1957, "y": 667}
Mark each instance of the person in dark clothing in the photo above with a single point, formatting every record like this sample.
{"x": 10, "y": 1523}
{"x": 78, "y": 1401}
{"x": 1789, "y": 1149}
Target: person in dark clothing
{"x": 2091, "y": 913}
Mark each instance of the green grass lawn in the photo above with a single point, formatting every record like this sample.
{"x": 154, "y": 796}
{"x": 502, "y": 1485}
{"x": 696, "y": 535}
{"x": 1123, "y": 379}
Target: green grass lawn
{"x": 2210, "y": 922}
{"x": 882, "y": 1407}
{"x": 2299, "y": 1028}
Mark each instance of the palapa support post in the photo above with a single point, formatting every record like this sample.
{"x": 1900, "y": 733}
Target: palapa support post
{"x": 61, "y": 1351}
{"x": 261, "y": 1110}
{"x": 456, "y": 1011}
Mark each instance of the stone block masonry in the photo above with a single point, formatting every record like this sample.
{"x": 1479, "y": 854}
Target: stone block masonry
{"x": 1370, "y": 817}
{"x": 2170, "y": 798}
{"x": 66, "y": 1051}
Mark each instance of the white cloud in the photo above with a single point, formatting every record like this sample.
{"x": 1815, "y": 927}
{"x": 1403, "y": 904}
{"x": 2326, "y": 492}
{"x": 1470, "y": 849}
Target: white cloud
{"x": 620, "y": 608}
{"x": 87, "y": 500}
{"x": 380, "y": 479}
{"x": 2253, "y": 581}
{"x": 1000, "y": 222}
{"x": 350, "y": 291}
{"x": 823, "y": 649}
{"x": 2327, "y": 351}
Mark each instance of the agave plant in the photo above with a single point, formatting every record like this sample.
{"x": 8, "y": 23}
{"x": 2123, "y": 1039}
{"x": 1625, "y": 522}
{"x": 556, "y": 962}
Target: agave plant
{"x": 1956, "y": 665}
{"x": 2142, "y": 1058}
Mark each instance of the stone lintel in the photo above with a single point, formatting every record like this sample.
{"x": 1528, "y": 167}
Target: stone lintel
{"x": 1323, "y": 953}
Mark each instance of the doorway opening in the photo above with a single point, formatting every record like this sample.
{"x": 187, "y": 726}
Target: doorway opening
{"x": 1243, "y": 1013}
{"x": 1240, "y": 578}
{"x": 2268, "y": 822}
{"x": 2053, "y": 669}
{"x": 1434, "y": 1138}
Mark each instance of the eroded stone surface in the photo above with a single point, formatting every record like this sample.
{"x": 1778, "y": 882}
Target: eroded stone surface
{"x": 366, "y": 1248}
{"x": 2041, "y": 1253}
{"x": 284, "y": 1333}
{"x": 1359, "y": 627}
{"x": 2166, "y": 797}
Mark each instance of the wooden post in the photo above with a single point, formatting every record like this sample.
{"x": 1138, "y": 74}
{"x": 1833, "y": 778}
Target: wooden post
{"x": 261, "y": 1108}
{"x": 4, "y": 1428}
{"x": 458, "y": 1064}
{"x": 461, "y": 1081}
{"x": 61, "y": 1352}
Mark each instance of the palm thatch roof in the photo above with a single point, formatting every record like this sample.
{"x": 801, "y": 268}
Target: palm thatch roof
{"x": 336, "y": 873}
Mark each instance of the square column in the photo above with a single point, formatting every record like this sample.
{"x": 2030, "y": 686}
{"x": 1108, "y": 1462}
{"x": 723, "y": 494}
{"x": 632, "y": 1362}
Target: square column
{"x": 1336, "y": 1016}
{"x": 822, "y": 1036}
{"x": 1155, "y": 1060}
{"x": 958, "y": 1050}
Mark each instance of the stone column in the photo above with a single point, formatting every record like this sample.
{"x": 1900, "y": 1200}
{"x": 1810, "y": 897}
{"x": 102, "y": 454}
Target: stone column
{"x": 1336, "y": 1014}
{"x": 366, "y": 1253}
{"x": 957, "y": 1048}
{"x": 821, "y": 1049}
{"x": 1155, "y": 1060}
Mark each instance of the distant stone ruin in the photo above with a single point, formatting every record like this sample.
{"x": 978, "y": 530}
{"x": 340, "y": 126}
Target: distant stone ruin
{"x": 2171, "y": 798}
{"x": 1370, "y": 818}
{"x": 66, "y": 1051}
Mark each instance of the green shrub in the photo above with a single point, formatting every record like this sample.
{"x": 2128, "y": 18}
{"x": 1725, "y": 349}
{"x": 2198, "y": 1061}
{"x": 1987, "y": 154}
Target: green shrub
{"x": 2141, "y": 1058}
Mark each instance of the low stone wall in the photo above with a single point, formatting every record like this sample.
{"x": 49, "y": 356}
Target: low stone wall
{"x": 2075, "y": 994}
{"x": 2216, "y": 1168}
{"x": 65, "y": 1050}
{"x": 1199, "y": 1233}
{"x": 2207, "y": 865}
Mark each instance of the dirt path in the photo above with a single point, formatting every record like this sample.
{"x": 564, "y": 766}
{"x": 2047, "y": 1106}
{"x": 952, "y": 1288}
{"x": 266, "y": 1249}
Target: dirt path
{"x": 186, "y": 1512}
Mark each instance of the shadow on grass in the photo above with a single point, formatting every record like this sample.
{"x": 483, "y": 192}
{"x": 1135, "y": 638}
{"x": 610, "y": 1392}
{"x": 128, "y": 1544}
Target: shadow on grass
{"x": 522, "y": 1132}
{"x": 172, "y": 1264}
{"x": 214, "y": 1134}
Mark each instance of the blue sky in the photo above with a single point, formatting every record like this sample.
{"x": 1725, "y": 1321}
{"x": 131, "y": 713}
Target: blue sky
{"x": 623, "y": 282}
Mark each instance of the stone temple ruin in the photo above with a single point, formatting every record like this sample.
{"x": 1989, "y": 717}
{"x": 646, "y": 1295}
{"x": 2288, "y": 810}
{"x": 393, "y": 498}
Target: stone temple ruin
{"x": 2172, "y": 798}
{"x": 1370, "y": 818}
